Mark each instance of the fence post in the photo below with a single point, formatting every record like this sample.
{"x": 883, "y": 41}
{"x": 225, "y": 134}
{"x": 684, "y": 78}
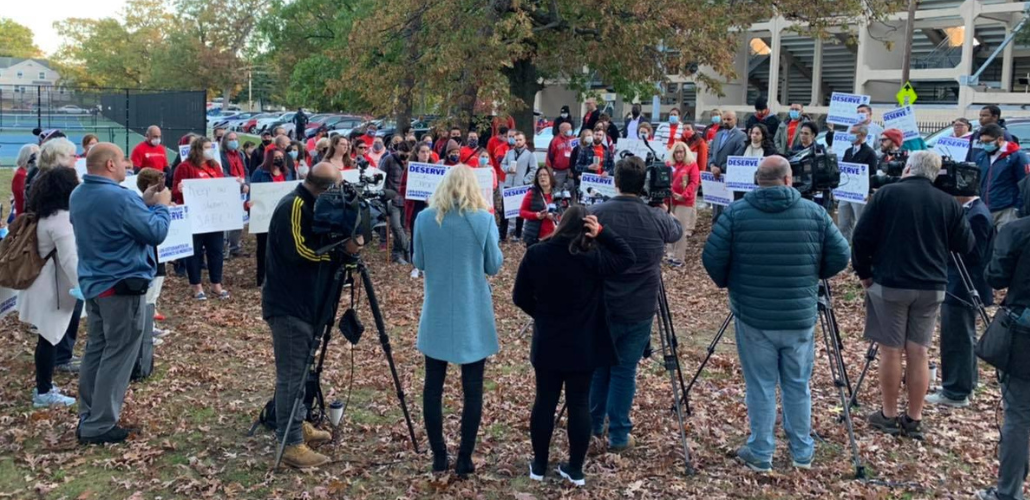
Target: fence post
{"x": 39, "y": 106}
{"x": 2, "y": 108}
{"x": 126, "y": 121}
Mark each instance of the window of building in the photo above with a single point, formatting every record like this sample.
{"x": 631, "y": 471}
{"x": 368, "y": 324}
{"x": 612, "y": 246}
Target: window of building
{"x": 20, "y": 75}
{"x": 42, "y": 75}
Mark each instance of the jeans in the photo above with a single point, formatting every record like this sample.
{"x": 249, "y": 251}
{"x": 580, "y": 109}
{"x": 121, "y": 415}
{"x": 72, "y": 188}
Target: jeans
{"x": 63, "y": 350}
{"x": 232, "y": 238}
{"x": 768, "y": 357}
{"x": 471, "y": 411}
{"x": 291, "y": 343}
{"x": 400, "y": 236}
{"x": 416, "y": 209}
{"x": 958, "y": 362}
{"x": 262, "y": 246}
{"x": 46, "y": 355}
{"x": 848, "y": 214}
{"x": 1014, "y": 451}
{"x": 716, "y": 212}
{"x": 613, "y": 387}
{"x": 541, "y": 423}
{"x": 210, "y": 244}
{"x": 115, "y": 336}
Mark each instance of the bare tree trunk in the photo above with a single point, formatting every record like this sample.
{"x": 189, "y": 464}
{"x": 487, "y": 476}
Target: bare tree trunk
{"x": 405, "y": 97}
{"x": 523, "y": 85}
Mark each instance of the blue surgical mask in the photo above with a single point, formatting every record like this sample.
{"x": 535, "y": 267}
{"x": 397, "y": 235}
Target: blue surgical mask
{"x": 568, "y": 133}
{"x": 511, "y": 141}
{"x": 795, "y": 114}
{"x": 991, "y": 147}
{"x": 293, "y": 154}
{"x": 674, "y": 119}
{"x": 483, "y": 161}
{"x": 234, "y": 145}
{"x": 716, "y": 119}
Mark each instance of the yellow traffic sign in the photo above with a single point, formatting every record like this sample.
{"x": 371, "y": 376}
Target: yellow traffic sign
{"x": 907, "y": 95}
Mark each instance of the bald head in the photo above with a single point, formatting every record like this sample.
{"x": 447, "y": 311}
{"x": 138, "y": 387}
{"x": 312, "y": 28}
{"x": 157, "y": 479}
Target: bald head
{"x": 729, "y": 118}
{"x": 282, "y": 142}
{"x": 153, "y": 132}
{"x": 564, "y": 127}
{"x": 774, "y": 171}
{"x": 322, "y": 177}
{"x": 106, "y": 160}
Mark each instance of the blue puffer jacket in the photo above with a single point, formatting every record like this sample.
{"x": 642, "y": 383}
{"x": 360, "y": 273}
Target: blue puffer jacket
{"x": 771, "y": 249}
{"x": 999, "y": 181}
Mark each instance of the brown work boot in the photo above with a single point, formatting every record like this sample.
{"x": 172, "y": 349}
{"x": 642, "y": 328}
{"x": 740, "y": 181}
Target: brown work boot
{"x": 301, "y": 457}
{"x": 313, "y": 436}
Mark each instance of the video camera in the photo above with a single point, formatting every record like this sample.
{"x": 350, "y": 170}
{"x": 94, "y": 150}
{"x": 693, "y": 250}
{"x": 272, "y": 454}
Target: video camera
{"x": 814, "y": 170}
{"x": 892, "y": 171}
{"x": 341, "y": 213}
{"x": 561, "y": 201}
{"x": 657, "y": 179}
{"x": 956, "y": 178}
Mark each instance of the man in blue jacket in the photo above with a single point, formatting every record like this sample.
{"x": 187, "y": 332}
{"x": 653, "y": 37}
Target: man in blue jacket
{"x": 773, "y": 295}
{"x": 115, "y": 232}
{"x": 1002, "y": 166}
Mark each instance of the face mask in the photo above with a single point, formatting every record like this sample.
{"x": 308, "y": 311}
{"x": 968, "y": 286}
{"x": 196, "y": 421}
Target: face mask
{"x": 568, "y": 133}
{"x": 862, "y": 117}
{"x": 473, "y": 142}
{"x": 370, "y": 132}
{"x": 564, "y": 115}
{"x": 377, "y": 147}
{"x": 155, "y": 141}
{"x": 277, "y": 162}
{"x": 266, "y": 142}
{"x": 795, "y": 114}
{"x": 687, "y": 134}
{"x": 716, "y": 119}
{"x": 234, "y": 145}
{"x": 855, "y": 141}
{"x": 991, "y": 147}
{"x": 588, "y": 139}
{"x": 511, "y": 141}
{"x": 483, "y": 161}
{"x": 303, "y": 171}
{"x": 293, "y": 154}
{"x": 453, "y": 158}
{"x": 674, "y": 119}
{"x": 636, "y": 113}
{"x": 209, "y": 154}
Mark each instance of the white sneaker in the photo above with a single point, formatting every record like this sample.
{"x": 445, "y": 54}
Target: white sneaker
{"x": 52, "y": 398}
{"x": 938, "y": 398}
{"x": 158, "y": 341}
{"x": 414, "y": 274}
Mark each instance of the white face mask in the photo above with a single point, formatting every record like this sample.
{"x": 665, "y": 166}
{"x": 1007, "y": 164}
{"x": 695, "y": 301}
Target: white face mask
{"x": 209, "y": 153}
{"x": 155, "y": 141}
{"x": 303, "y": 170}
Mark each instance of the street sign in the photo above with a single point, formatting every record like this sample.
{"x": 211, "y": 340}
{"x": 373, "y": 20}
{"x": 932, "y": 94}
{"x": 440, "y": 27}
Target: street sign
{"x": 907, "y": 95}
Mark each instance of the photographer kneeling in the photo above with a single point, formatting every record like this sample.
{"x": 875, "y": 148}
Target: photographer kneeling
{"x": 291, "y": 292}
{"x": 901, "y": 254}
{"x": 775, "y": 310}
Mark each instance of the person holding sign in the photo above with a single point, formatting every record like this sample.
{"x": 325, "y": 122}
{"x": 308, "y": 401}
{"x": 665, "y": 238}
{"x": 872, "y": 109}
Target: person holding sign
{"x": 685, "y": 179}
{"x": 201, "y": 164}
{"x": 536, "y": 208}
{"x": 272, "y": 170}
{"x": 234, "y": 164}
{"x": 849, "y": 212}
{"x": 865, "y": 117}
{"x": 115, "y": 230}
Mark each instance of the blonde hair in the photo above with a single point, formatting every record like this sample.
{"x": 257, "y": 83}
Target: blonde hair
{"x": 458, "y": 191}
{"x": 54, "y": 153}
{"x": 688, "y": 155}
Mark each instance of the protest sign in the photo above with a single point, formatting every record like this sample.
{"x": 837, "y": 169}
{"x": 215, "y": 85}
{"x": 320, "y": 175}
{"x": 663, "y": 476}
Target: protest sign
{"x": 714, "y": 190}
{"x": 740, "y": 173}
{"x": 640, "y": 148}
{"x": 842, "y": 143}
{"x": 264, "y": 197}
{"x": 214, "y": 204}
{"x": 184, "y": 151}
{"x": 598, "y": 185}
{"x": 485, "y": 178}
{"x": 423, "y": 179}
{"x": 8, "y": 301}
{"x": 513, "y": 197}
{"x": 179, "y": 242}
{"x": 854, "y": 182}
{"x": 80, "y": 167}
{"x": 955, "y": 148}
{"x": 903, "y": 119}
{"x": 844, "y": 108}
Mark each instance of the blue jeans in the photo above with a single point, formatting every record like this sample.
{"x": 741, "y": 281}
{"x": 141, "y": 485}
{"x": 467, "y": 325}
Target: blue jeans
{"x": 768, "y": 357}
{"x": 613, "y": 387}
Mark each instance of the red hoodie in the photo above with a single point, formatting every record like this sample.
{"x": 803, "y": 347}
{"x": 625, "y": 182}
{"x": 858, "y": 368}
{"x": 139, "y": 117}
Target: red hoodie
{"x": 559, "y": 151}
{"x": 685, "y": 180}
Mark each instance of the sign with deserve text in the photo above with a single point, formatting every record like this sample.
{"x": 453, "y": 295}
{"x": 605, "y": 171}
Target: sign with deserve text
{"x": 844, "y": 108}
{"x": 179, "y": 242}
{"x": 513, "y": 197}
{"x": 854, "y": 182}
{"x": 955, "y": 148}
{"x": 842, "y": 143}
{"x": 264, "y": 197}
{"x": 214, "y": 204}
{"x": 903, "y": 119}
{"x": 740, "y": 173}
{"x": 715, "y": 192}
{"x": 8, "y": 301}
{"x": 592, "y": 185}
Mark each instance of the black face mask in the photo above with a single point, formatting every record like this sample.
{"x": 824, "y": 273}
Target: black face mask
{"x": 636, "y": 113}
{"x": 266, "y": 141}
{"x": 277, "y": 162}
{"x": 453, "y": 158}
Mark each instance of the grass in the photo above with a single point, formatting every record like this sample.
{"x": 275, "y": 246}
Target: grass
{"x": 6, "y": 176}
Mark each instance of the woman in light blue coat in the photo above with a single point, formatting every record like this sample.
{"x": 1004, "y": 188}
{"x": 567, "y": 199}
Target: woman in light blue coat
{"x": 456, "y": 246}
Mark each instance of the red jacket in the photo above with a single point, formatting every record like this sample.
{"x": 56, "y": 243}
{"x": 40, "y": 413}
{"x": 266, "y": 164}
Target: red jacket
{"x": 546, "y": 225}
{"x": 468, "y": 155}
{"x": 496, "y": 156}
{"x": 558, "y": 153}
{"x": 18, "y": 189}
{"x": 685, "y": 180}
{"x": 700, "y": 150}
{"x": 145, "y": 155}
{"x": 187, "y": 170}
{"x": 493, "y": 144}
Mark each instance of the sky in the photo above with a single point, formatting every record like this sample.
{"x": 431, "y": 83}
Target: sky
{"x": 40, "y": 16}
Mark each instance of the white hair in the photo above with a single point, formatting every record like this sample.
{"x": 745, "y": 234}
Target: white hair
{"x": 925, "y": 163}
{"x": 25, "y": 153}
{"x": 56, "y": 153}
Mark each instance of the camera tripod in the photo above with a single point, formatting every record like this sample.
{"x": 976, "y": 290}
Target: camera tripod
{"x": 310, "y": 391}
{"x": 975, "y": 302}
{"x": 838, "y": 369}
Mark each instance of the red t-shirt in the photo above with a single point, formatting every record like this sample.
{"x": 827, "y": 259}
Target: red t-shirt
{"x": 187, "y": 170}
{"x": 146, "y": 155}
{"x": 279, "y": 178}
{"x": 18, "y": 189}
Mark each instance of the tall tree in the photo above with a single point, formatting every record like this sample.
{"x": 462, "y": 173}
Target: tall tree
{"x": 16, "y": 40}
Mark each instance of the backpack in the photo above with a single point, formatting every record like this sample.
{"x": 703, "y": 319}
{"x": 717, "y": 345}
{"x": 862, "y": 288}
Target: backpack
{"x": 20, "y": 262}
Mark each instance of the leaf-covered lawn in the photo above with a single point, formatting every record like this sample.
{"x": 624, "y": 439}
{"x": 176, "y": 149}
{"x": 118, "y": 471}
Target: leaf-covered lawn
{"x": 215, "y": 372}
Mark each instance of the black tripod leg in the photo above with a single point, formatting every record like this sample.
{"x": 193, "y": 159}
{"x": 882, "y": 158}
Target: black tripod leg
{"x": 668, "y": 356}
{"x": 835, "y": 359}
{"x": 673, "y": 341}
{"x": 870, "y": 355}
{"x": 297, "y": 403}
{"x": 377, "y": 314}
{"x": 708, "y": 356}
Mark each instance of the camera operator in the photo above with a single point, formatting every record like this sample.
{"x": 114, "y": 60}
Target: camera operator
{"x": 901, "y": 253}
{"x": 775, "y": 327}
{"x": 631, "y": 297}
{"x": 289, "y": 297}
{"x": 890, "y": 147}
{"x": 395, "y": 164}
{"x": 1010, "y": 268}
{"x": 958, "y": 316}
{"x": 1002, "y": 166}
{"x": 848, "y": 212}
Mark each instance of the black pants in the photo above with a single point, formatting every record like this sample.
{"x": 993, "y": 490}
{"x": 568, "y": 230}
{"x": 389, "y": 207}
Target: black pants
{"x": 958, "y": 362}
{"x": 210, "y": 244}
{"x": 518, "y": 228}
{"x": 47, "y": 356}
{"x": 418, "y": 207}
{"x": 471, "y": 411}
{"x": 541, "y": 423}
{"x": 262, "y": 242}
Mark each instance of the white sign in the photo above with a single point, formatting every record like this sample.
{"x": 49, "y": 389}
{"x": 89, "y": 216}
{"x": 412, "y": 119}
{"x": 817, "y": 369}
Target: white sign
{"x": 714, "y": 190}
{"x": 485, "y": 177}
{"x": 854, "y": 182}
{"x": 740, "y": 173}
{"x": 264, "y": 197}
{"x": 903, "y": 119}
{"x": 844, "y": 108}
{"x": 640, "y": 148}
{"x": 179, "y": 242}
{"x": 842, "y": 143}
{"x": 130, "y": 184}
{"x": 8, "y": 301}
{"x": 80, "y": 167}
{"x": 214, "y": 204}
{"x": 423, "y": 179}
{"x": 955, "y": 148}
{"x": 513, "y": 197}
{"x": 597, "y": 185}
{"x": 184, "y": 151}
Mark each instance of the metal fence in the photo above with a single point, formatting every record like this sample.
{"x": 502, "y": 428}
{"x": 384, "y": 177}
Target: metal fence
{"x": 120, "y": 116}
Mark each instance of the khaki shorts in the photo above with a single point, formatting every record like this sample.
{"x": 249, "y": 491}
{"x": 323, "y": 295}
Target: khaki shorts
{"x": 895, "y": 316}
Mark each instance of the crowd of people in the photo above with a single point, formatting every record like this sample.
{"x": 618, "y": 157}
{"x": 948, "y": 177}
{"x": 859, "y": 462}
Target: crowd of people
{"x": 99, "y": 240}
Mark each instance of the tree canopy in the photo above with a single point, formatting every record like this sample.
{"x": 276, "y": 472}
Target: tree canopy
{"x": 16, "y": 40}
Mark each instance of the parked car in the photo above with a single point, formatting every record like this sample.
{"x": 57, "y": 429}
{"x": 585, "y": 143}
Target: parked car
{"x": 71, "y": 109}
{"x": 271, "y": 122}
{"x": 387, "y": 129}
{"x": 235, "y": 122}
